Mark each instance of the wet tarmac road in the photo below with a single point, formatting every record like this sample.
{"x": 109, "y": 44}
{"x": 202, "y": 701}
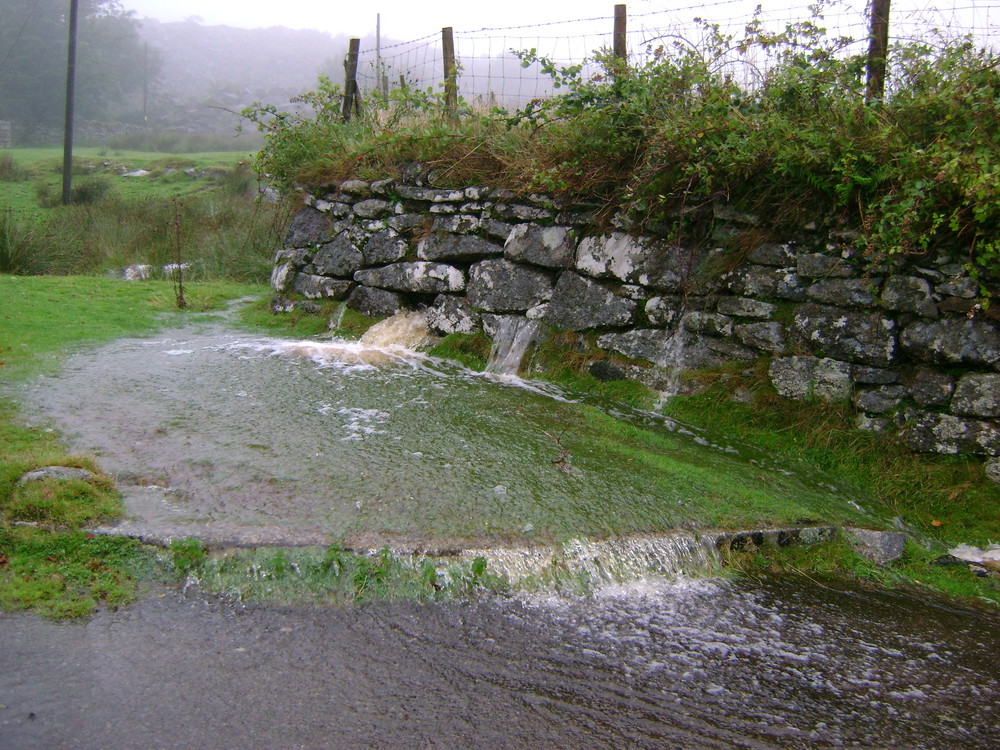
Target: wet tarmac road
{"x": 699, "y": 664}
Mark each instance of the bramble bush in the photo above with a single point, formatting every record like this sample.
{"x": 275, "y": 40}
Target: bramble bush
{"x": 688, "y": 128}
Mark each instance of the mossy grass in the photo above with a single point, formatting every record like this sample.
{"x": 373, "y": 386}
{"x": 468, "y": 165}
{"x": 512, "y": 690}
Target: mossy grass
{"x": 331, "y": 576}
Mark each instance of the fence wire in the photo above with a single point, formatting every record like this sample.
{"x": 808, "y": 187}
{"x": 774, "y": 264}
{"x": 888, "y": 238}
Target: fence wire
{"x": 491, "y": 73}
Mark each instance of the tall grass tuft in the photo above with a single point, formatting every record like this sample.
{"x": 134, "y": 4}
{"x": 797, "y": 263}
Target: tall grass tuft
{"x": 19, "y": 248}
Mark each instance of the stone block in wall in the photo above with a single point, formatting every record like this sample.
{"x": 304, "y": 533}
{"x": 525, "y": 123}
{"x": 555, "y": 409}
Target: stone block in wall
{"x": 929, "y": 387}
{"x": 759, "y": 281}
{"x": 495, "y": 228}
{"x": 356, "y": 187}
{"x": 497, "y": 285}
{"x": 766, "y": 337}
{"x": 409, "y": 222}
{"x": 579, "y": 303}
{"x": 462, "y": 223}
{"x": 865, "y": 375}
{"x": 384, "y": 246}
{"x": 867, "y": 338}
{"x": 634, "y": 260}
{"x": 452, "y": 314}
{"x": 664, "y": 311}
{"x": 880, "y": 400}
{"x": 430, "y": 195}
{"x": 421, "y": 277}
{"x": 520, "y": 212}
{"x": 651, "y": 344}
{"x": 375, "y": 303}
{"x": 456, "y": 247}
{"x": 822, "y": 266}
{"x": 309, "y": 227}
{"x": 909, "y": 294}
{"x": 712, "y": 352}
{"x": 811, "y": 377}
{"x": 317, "y": 287}
{"x": 333, "y": 208}
{"x": 745, "y": 307}
{"x": 371, "y": 208}
{"x": 340, "y": 257}
{"x": 551, "y": 247}
{"x": 977, "y": 395}
{"x": 282, "y": 277}
{"x": 773, "y": 254}
{"x": 844, "y": 292}
{"x": 710, "y": 324}
{"x": 953, "y": 341}
{"x": 933, "y": 432}
{"x": 963, "y": 287}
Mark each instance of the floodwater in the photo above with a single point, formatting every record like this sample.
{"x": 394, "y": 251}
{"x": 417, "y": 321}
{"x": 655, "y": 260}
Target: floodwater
{"x": 220, "y": 435}
{"x": 228, "y": 437}
{"x": 689, "y": 664}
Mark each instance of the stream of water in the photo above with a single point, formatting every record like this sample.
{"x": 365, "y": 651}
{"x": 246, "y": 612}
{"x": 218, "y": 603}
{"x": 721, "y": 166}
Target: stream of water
{"x": 237, "y": 438}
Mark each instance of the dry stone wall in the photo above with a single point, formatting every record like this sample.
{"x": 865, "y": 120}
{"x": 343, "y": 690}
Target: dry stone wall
{"x": 909, "y": 345}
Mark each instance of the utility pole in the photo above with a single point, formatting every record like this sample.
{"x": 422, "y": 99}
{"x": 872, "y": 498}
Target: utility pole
{"x": 67, "y": 187}
{"x": 878, "y": 51}
{"x": 620, "y": 44}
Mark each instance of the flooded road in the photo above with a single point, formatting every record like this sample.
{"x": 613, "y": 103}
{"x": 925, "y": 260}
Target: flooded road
{"x": 696, "y": 664}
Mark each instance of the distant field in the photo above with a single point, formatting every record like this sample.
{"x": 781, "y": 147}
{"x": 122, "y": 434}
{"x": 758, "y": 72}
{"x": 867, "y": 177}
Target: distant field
{"x": 33, "y": 170}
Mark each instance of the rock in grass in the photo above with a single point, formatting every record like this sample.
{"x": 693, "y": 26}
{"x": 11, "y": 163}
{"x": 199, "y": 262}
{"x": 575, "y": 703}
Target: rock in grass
{"x": 55, "y": 472}
{"x": 880, "y": 547}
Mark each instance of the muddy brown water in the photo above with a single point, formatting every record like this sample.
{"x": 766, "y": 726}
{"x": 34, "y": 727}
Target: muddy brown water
{"x": 690, "y": 664}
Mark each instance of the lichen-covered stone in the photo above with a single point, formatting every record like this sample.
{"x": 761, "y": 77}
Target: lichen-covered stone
{"x": 452, "y": 314}
{"x": 934, "y": 432}
{"x": 929, "y": 387}
{"x": 992, "y": 469}
{"x": 664, "y": 311}
{"x": 633, "y": 260}
{"x": 767, "y": 337}
{"x": 520, "y": 212}
{"x": 371, "y": 208}
{"x": 317, "y": 287}
{"x": 282, "y": 277}
{"x": 551, "y": 247}
{"x": 772, "y": 254}
{"x": 384, "y": 246}
{"x": 456, "y": 247}
{"x": 965, "y": 288}
{"x": 953, "y": 341}
{"x": 821, "y": 266}
{"x": 356, "y": 187}
{"x": 866, "y": 375}
{"x": 309, "y": 227}
{"x": 409, "y": 222}
{"x": 461, "y": 223}
{"x": 880, "y": 400}
{"x": 977, "y": 395}
{"x": 745, "y": 307}
{"x": 711, "y": 324}
{"x": 375, "y": 303}
{"x": 340, "y": 257}
{"x": 499, "y": 286}
{"x": 651, "y": 344}
{"x": 864, "y": 337}
{"x": 811, "y": 377}
{"x": 759, "y": 281}
{"x": 879, "y": 547}
{"x": 420, "y": 276}
{"x": 909, "y": 294}
{"x": 843, "y": 292}
{"x": 579, "y": 303}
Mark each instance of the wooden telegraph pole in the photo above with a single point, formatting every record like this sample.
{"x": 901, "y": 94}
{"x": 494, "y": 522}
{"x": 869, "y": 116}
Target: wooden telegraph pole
{"x": 878, "y": 51}
{"x": 67, "y": 186}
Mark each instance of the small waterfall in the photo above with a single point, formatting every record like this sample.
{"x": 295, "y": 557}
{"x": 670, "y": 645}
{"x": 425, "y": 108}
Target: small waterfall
{"x": 511, "y": 340}
{"x": 672, "y": 356}
{"x": 404, "y": 330}
{"x": 607, "y": 561}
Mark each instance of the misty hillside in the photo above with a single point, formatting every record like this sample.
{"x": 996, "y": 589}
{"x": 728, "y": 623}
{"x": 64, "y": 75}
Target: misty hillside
{"x": 232, "y": 67}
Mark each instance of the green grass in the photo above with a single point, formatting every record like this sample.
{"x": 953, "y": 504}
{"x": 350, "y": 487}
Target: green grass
{"x": 54, "y": 569}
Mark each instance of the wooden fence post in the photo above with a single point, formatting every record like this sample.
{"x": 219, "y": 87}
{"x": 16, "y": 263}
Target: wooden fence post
{"x": 352, "y": 98}
{"x": 878, "y": 51}
{"x": 620, "y": 46}
{"x": 450, "y": 71}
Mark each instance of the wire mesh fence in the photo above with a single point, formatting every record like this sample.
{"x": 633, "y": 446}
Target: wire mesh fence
{"x": 490, "y": 71}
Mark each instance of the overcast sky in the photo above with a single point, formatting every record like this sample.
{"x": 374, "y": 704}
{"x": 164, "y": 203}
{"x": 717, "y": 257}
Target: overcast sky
{"x": 405, "y": 20}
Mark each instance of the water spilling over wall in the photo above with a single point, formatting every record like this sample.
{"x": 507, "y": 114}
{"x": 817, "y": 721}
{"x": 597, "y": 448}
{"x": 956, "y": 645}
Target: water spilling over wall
{"x": 909, "y": 346}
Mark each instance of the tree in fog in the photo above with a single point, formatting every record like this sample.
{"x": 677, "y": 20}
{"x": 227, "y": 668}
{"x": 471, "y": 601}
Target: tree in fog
{"x": 33, "y": 43}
